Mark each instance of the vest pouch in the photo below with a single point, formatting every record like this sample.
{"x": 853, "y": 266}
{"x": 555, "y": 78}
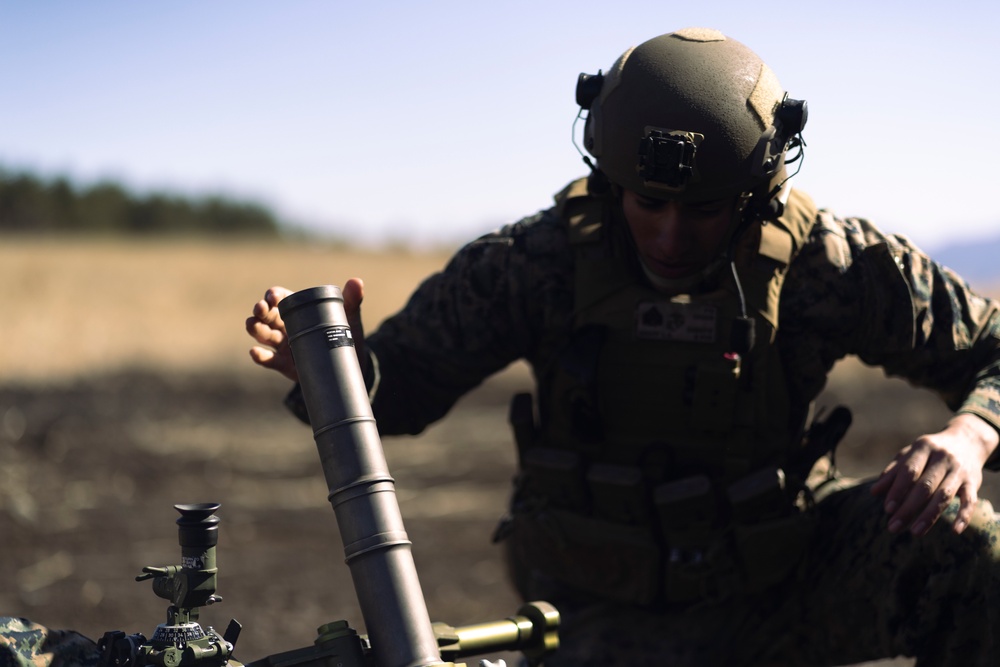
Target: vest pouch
{"x": 686, "y": 510}
{"x": 692, "y": 575}
{"x": 591, "y": 555}
{"x": 769, "y": 532}
{"x": 557, "y": 475}
{"x": 759, "y": 496}
{"x": 618, "y": 493}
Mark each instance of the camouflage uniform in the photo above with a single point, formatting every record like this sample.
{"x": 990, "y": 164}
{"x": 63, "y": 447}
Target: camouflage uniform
{"x": 27, "y": 644}
{"x": 509, "y": 296}
{"x": 859, "y": 593}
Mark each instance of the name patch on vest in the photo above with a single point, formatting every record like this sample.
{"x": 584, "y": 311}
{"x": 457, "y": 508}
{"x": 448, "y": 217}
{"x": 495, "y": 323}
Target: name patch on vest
{"x": 684, "y": 322}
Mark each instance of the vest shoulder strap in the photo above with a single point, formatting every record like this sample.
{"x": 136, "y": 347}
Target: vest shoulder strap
{"x": 782, "y": 239}
{"x": 584, "y": 214}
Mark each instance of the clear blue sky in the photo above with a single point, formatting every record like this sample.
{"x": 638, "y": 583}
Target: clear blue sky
{"x": 435, "y": 121}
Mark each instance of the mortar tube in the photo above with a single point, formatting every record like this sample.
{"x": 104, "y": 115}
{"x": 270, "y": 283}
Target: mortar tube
{"x": 362, "y": 492}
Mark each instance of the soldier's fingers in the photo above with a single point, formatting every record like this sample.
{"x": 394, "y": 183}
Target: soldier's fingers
{"x": 936, "y": 504}
{"x": 885, "y": 480}
{"x": 261, "y": 310}
{"x": 268, "y": 314}
{"x": 354, "y": 294}
{"x": 909, "y": 468}
{"x": 275, "y": 294}
{"x": 251, "y": 324}
{"x": 265, "y": 334}
{"x": 262, "y": 356}
{"x": 907, "y": 498}
{"x": 277, "y": 360}
{"x": 967, "y": 498}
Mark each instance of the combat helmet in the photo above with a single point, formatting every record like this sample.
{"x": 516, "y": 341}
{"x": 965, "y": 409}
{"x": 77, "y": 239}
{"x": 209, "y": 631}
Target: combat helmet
{"x": 692, "y": 115}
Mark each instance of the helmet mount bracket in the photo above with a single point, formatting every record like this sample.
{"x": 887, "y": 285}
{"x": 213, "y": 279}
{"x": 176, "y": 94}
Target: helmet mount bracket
{"x": 666, "y": 158}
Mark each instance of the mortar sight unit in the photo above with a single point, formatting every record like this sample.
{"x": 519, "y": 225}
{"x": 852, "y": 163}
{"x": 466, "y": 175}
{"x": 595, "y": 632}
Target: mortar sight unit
{"x": 376, "y": 547}
{"x": 188, "y": 586}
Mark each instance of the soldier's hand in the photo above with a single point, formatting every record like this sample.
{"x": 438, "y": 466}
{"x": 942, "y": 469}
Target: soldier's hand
{"x": 928, "y": 474}
{"x": 268, "y": 329}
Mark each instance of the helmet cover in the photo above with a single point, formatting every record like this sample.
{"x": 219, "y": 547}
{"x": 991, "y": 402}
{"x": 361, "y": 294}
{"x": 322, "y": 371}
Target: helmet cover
{"x": 691, "y": 115}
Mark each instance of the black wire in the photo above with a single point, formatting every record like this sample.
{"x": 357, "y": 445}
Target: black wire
{"x": 800, "y": 157}
{"x": 795, "y": 142}
{"x": 586, "y": 159}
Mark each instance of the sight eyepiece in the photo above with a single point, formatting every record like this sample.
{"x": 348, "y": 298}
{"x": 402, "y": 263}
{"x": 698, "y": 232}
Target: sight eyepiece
{"x": 198, "y": 533}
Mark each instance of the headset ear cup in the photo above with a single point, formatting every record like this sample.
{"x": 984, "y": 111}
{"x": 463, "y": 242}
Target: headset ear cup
{"x": 588, "y": 96}
{"x": 792, "y": 116}
{"x": 588, "y": 88}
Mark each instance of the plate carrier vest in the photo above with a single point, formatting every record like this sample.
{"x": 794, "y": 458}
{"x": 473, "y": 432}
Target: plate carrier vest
{"x": 655, "y": 437}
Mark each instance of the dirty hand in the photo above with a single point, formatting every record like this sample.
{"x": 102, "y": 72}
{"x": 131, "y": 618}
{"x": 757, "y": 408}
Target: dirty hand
{"x": 928, "y": 474}
{"x": 268, "y": 329}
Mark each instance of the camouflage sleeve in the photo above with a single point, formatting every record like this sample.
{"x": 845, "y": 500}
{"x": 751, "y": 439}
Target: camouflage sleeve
{"x": 27, "y": 644}
{"x": 856, "y": 290}
{"x": 493, "y": 304}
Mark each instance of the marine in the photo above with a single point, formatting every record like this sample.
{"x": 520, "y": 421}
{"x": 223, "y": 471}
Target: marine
{"x": 681, "y": 307}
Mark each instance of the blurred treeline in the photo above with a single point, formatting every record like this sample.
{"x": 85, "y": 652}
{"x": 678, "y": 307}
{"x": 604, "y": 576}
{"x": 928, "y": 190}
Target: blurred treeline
{"x": 32, "y": 205}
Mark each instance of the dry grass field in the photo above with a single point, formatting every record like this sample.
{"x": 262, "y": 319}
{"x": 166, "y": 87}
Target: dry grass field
{"x": 84, "y": 307}
{"x": 125, "y": 387}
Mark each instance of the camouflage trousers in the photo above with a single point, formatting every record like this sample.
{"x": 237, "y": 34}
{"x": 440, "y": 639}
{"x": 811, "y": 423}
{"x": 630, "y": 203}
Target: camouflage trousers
{"x": 26, "y": 644}
{"x": 861, "y": 594}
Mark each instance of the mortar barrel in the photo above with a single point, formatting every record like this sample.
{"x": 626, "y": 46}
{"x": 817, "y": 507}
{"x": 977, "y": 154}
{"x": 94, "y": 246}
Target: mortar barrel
{"x": 362, "y": 492}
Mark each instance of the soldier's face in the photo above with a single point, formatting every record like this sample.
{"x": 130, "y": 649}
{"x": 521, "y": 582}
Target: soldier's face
{"x": 677, "y": 239}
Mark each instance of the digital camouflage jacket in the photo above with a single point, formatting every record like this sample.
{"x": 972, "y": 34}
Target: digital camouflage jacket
{"x": 851, "y": 290}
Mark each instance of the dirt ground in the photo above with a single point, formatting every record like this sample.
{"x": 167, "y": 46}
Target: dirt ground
{"x": 89, "y": 485}
{"x": 142, "y": 397}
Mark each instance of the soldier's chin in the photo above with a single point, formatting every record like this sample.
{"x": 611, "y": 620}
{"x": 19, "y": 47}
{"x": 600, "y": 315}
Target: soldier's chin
{"x": 694, "y": 279}
{"x": 676, "y": 271}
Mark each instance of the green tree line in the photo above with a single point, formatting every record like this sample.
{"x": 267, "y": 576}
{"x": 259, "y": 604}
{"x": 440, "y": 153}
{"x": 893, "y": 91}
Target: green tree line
{"x": 32, "y": 205}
